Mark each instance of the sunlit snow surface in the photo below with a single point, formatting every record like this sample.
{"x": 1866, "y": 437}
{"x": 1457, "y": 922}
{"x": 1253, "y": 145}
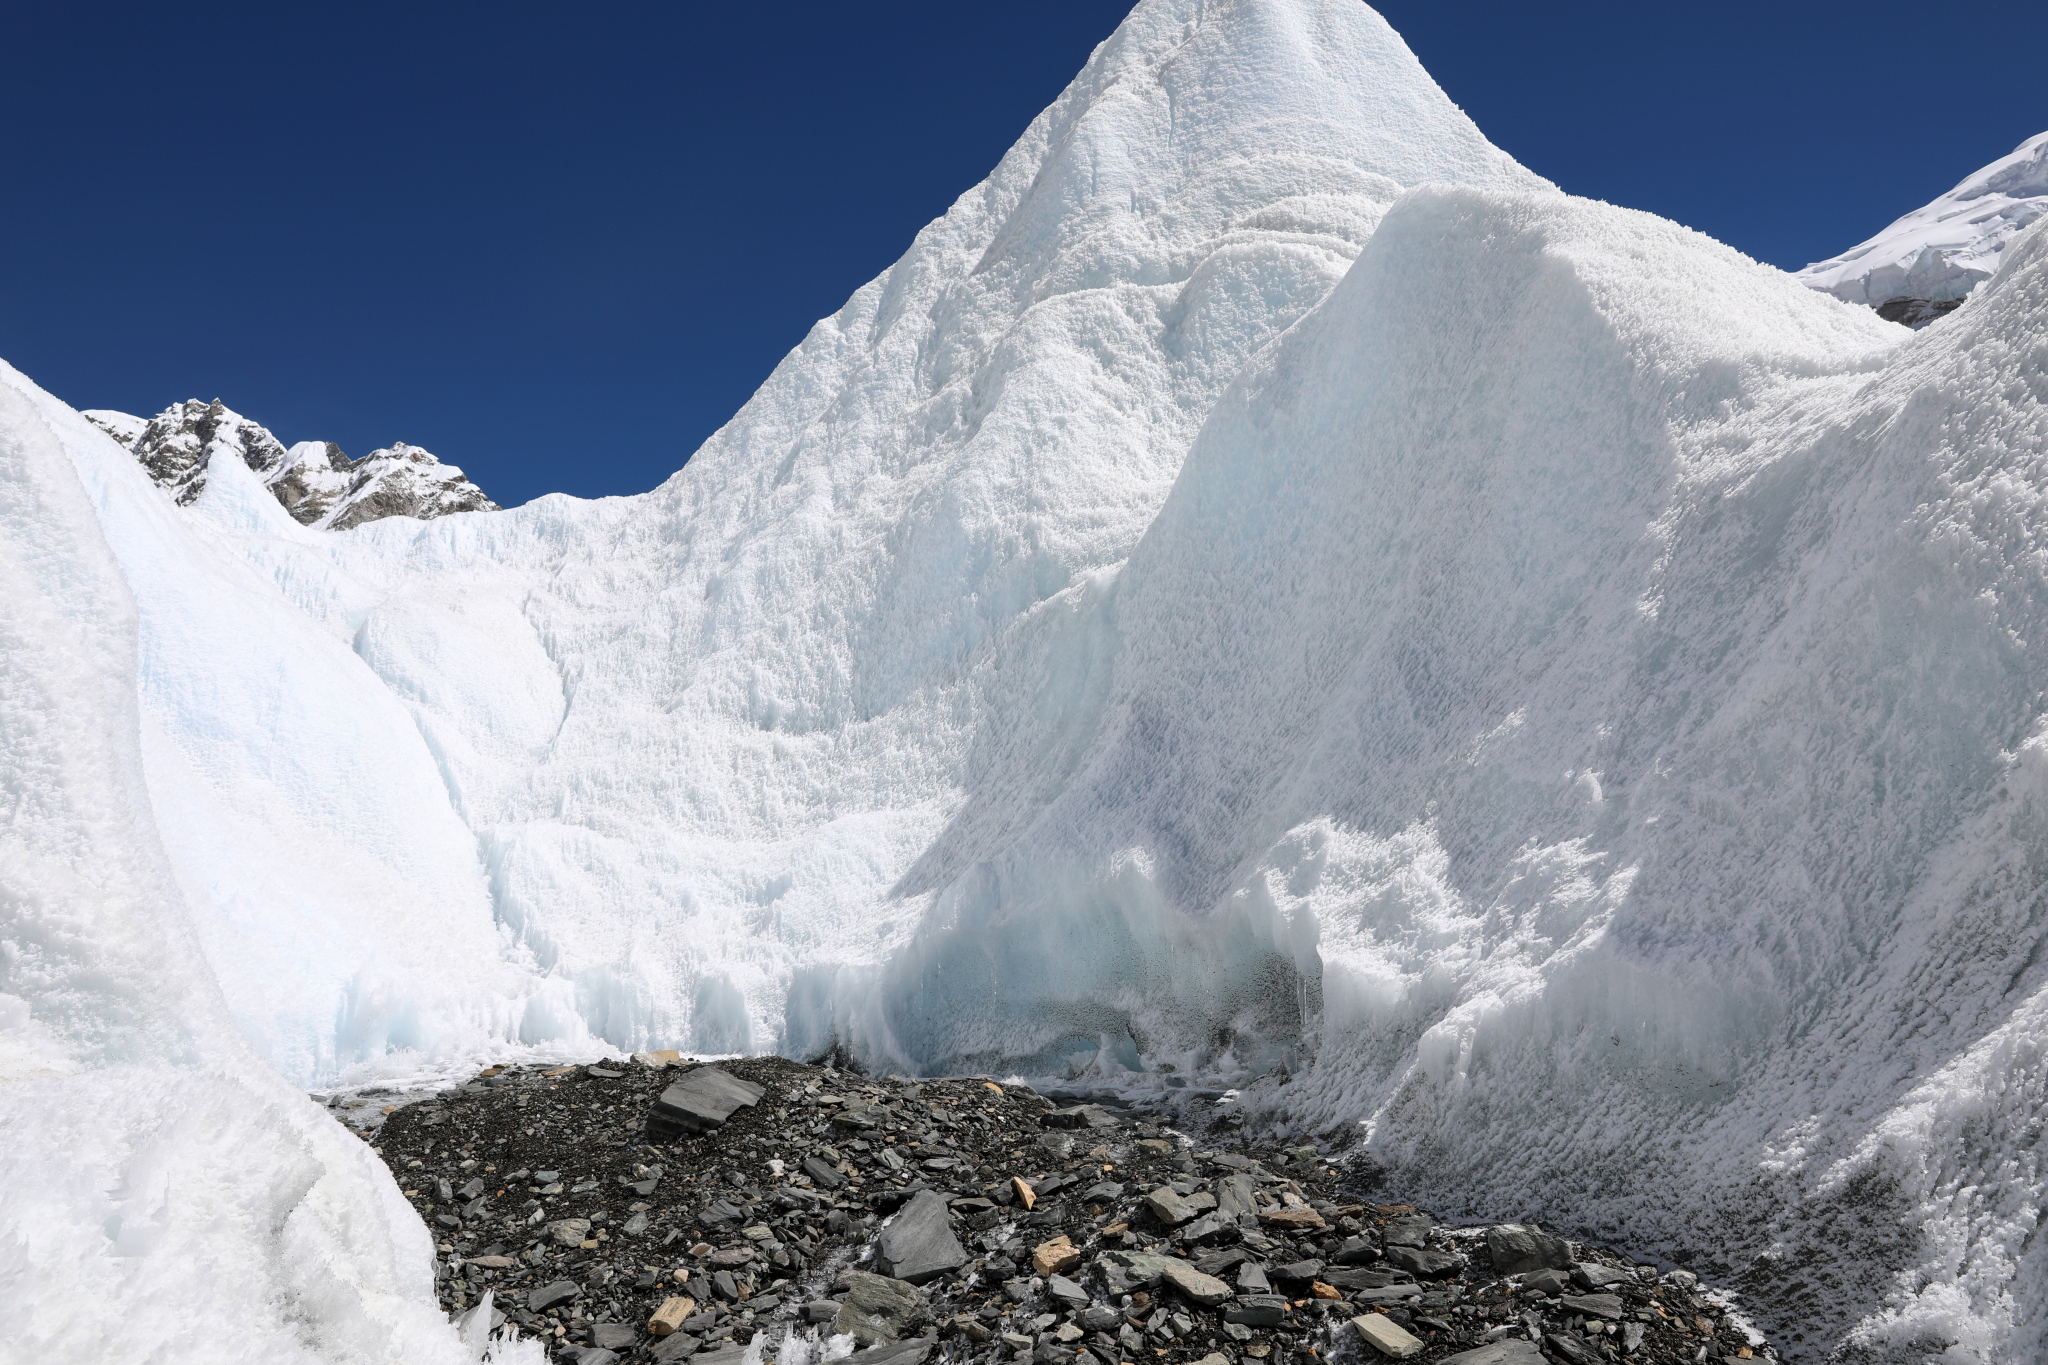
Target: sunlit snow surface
{"x": 1946, "y": 248}
{"x": 1568, "y": 691}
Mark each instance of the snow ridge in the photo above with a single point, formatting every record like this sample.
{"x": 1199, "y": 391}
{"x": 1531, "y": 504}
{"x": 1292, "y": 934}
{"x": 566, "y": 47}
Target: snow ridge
{"x": 1938, "y": 253}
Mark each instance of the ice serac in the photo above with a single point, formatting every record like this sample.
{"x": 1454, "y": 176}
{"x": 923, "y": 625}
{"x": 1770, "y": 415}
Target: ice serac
{"x": 150, "y": 1160}
{"x": 312, "y": 480}
{"x": 1924, "y": 264}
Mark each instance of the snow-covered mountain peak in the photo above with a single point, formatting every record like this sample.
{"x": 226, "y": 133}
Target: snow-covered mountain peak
{"x": 1923, "y": 264}
{"x": 313, "y": 480}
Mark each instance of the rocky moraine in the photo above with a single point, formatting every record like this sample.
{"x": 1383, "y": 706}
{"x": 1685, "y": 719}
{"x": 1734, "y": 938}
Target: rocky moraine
{"x": 665, "y": 1210}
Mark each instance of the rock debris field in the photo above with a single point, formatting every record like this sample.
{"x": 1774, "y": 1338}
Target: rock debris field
{"x": 665, "y": 1210}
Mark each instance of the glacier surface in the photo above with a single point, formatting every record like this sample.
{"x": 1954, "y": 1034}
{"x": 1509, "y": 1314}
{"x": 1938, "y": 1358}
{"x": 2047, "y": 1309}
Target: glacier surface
{"x": 1946, "y": 248}
{"x": 1263, "y": 579}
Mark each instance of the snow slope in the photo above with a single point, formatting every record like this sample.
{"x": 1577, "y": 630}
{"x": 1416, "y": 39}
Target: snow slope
{"x": 168, "y": 1196}
{"x": 1949, "y": 247}
{"x": 1565, "y": 689}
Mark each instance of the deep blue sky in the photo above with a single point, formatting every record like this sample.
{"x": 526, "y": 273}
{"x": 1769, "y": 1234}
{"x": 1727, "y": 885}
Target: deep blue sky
{"x": 559, "y": 245}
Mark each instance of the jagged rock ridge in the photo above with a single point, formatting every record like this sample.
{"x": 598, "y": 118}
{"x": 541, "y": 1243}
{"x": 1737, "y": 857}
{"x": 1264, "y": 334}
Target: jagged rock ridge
{"x": 313, "y": 480}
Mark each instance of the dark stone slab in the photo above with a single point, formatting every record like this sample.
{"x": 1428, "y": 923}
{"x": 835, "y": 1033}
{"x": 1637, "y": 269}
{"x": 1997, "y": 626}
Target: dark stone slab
{"x": 1425, "y": 1261}
{"x": 1079, "y": 1116}
{"x": 1515, "y": 1352}
{"x": 910, "y": 1352}
{"x": 703, "y": 1099}
{"x": 823, "y": 1172}
{"x": 1256, "y": 1311}
{"x": 1349, "y": 1279}
{"x": 1607, "y": 1306}
{"x": 552, "y": 1295}
{"x": 1518, "y": 1248}
{"x": 918, "y": 1245}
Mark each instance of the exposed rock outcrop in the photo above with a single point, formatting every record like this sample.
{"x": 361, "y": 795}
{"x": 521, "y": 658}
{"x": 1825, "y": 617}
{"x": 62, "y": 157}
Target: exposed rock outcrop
{"x": 313, "y": 480}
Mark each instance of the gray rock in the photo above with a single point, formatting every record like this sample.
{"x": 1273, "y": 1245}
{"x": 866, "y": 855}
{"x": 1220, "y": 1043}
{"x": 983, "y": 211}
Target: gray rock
{"x": 1193, "y": 1285}
{"x": 677, "y": 1346}
{"x": 1546, "y": 1282}
{"x": 1392, "y": 1293}
{"x": 1130, "y": 1271}
{"x": 918, "y": 1244}
{"x": 1573, "y": 1350}
{"x": 1518, "y": 1248}
{"x": 1101, "y": 1192}
{"x": 1222, "y": 1262}
{"x": 614, "y": 1336}
{"x": 1236, "y": 1195}
{"x": 878, "y": 1310}
{"x": 1102, "y": 1319}
{"x": 823, "y": 1172}
{"x": 1256, "y": 1312}
{"x": 1080, "y": 1116}
{"x": 1356, "y": 1251}
{"x": 1352, "y": 1278}
{"x": 1407, "y": 1232}
{"x": 1594, "y": 1278}
{"x": 444, "y": 1192}
{"x": 726, "y": 1355}
{"x": 591, "y": 1355}
{"x": 725, "y": 1286}
{"x": 701, "y": 1101}
{"x": 635, "y": 1225}
{"x": 1607, "y": 1306}
{"x": 1424, "y": 1261}
{"x": 570, "y": 1232}
{"x": 1631, "y": 1337}
{"x": 551, "y": 1295}
{"x": 1209, "y": 1229}
{"x": 823, "y": 1310}
{"x": 910, "y": 1352}
{"x": 1298, "y": 1272}
{"x": 1252, "y": 1280}
{"x": 1066, "y": 1291}
{"x": 1170, "y": 1207}
{"x": 1515, "y": 1352}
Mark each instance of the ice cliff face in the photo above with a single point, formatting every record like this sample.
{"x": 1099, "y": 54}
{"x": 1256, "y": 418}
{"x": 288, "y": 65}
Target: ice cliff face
{"x": 313, "y": 480}
{"x": 1263, "y": 578}
{"x": 1921, "y": 266}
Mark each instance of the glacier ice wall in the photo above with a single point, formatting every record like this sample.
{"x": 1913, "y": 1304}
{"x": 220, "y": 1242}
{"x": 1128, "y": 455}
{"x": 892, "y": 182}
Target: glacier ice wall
{"x": 167, "y": 1193}
{"x": 1264, "y": 577}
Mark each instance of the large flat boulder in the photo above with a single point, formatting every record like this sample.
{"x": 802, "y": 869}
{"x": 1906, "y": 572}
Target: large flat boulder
{"x": 703, "y": 1099}
{"x": 1518, "y": 1248}
{"x": 919, "y": 1245}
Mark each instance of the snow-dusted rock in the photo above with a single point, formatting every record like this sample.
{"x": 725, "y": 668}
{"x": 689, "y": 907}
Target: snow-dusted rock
{"x": 1924, "y": 263}
{"x": 313, "y": 480}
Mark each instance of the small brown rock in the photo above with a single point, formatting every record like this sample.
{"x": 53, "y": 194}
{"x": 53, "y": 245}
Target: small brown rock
{"x": 671, "y": 1314}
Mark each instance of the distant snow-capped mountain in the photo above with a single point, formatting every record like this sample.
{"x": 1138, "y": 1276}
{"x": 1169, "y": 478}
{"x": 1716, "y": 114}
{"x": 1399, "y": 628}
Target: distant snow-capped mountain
{"x": 314, "y": 481}
{"x": 1922, "y": 265}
